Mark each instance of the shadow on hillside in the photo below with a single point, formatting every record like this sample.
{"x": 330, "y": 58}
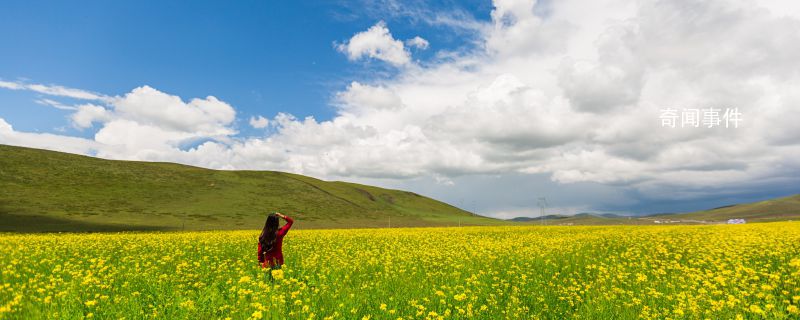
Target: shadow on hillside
{"x": 10, "y": 222}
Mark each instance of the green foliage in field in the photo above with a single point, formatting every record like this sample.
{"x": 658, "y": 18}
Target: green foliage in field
{"x": 619, "y": 272}
{"x": 53, "y": 191}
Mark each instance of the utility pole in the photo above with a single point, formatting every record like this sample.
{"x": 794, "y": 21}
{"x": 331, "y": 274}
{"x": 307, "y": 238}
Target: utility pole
{"x": 542, "y": 205}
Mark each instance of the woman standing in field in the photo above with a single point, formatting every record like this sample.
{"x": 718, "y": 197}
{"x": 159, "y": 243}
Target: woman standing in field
{"x": 270, "y": 243}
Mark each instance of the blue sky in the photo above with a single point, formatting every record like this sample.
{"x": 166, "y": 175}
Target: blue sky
{"x": 485, "y": 105}
{"x": 260, "y": 57}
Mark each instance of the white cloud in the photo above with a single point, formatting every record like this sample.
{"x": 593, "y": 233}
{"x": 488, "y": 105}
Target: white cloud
{"x": 454, "y": 18}
{"x": 377, "y": 43}
{"x": 259, "y": 122}
{"x": 10, "y": 85}
{"x": 613, "y": 81}
{"x": 5, "y": 127}
{"x": 418, "y": 42}
{"x": 147, "y": 124}
{"x": 359, "y": 98}
{"x": 577, "y": 94}
{"x": 136, "y": 137}
{"x": 55, "y": 104}
{"x": 45, "y": 140}
{"x": 144, "y": 124}
{"x": 146, "y": 105}
{"x": 518, "y": 31}
{"x": 55, "y": 90}
{"x": 87, "y": 114}
{"x": 443, "y": 180}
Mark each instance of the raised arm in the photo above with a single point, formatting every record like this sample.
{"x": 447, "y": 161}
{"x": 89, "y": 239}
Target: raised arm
{"x": 289, "y": 222}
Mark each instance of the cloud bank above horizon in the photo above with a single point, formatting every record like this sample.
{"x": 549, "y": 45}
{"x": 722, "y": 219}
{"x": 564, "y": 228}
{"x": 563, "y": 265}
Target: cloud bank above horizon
{"x": 568, "y": 90}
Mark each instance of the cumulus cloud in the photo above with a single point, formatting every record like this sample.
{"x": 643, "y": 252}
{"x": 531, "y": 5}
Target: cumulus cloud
{"x": 5, "y": 127}
{"x": 144, "y": 124}
{"x": 417, "y": 42}
{"x": 359, "y": 98}
{"x": 554, "y": 89}
{"x": 147, "y": 105}
{"x": 378, "y": 43}
{"x": 46, "y": 140}
{"x": 259, "y": 122}
{"x": 576, "y": 94}
{"x": 87, "y": 114}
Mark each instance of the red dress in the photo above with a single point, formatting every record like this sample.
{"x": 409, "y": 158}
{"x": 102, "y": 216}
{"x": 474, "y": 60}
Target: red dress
{"x": 275, "y": 255}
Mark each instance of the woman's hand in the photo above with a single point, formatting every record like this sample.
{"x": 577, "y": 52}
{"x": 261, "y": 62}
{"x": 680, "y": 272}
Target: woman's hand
{"x": 280, "y": 215}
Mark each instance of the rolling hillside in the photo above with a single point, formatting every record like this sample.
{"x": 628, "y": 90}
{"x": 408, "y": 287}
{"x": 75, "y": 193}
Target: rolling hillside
{"x": 581, "y": 219}
{"x": 786, "y": 208}
{"x": 780, "y": 209}
{"x": 52, "y": 191}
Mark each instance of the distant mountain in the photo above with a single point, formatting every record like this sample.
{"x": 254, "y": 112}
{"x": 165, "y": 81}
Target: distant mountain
{"x": 521, "y": 219}
{"x": 558, "y": 216}
{"x": 547, "y": 217}
{"x": 44, "y": 190}
{"x": 786, "y": 208}
{"x": 655, "y": 214}
{"x": 612, "y": 215}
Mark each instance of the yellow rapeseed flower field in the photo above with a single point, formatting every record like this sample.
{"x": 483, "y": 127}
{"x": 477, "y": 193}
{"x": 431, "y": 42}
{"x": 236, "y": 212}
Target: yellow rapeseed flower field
{"x": 619, "y": 272}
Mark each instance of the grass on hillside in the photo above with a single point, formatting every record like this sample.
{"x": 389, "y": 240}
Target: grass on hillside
{"x": 780, "y": 209}
{"x": 76, "y": 193}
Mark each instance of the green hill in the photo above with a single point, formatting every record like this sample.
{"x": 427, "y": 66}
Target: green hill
{"x": 786, "y": 208}
{"x": 52, "y": 191}
{"x": 582, "y": 219}
{"x": 780, "y": 209}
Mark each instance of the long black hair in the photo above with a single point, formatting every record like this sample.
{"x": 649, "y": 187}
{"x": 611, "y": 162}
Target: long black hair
{"x": 269, "y": 233}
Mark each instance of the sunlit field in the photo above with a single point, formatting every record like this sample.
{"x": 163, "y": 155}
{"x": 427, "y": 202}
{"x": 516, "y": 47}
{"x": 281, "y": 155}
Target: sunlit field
{"x": 621, "y": 272}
